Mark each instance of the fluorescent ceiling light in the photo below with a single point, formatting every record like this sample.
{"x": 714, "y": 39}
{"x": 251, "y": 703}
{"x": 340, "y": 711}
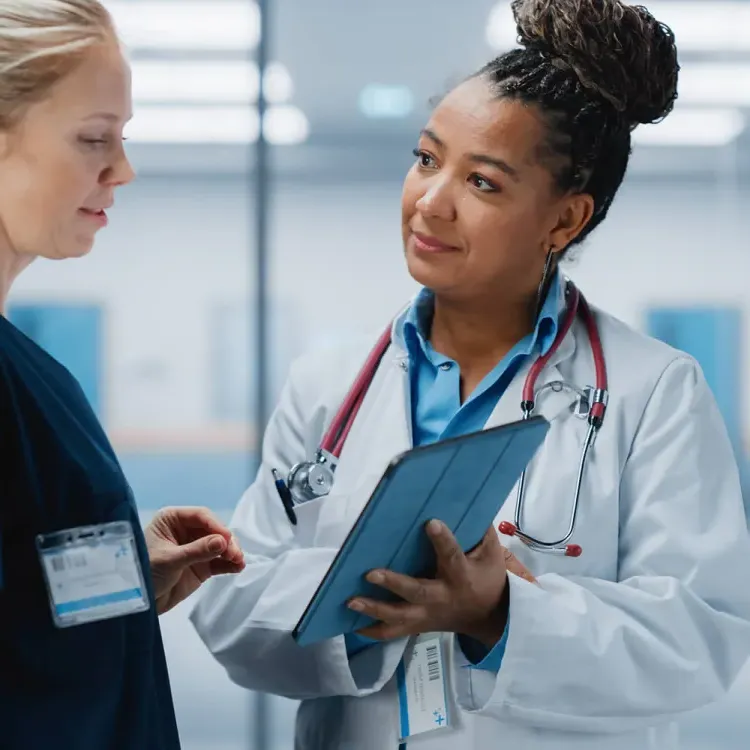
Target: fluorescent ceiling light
{"x": 686, "y": 127}
{"x": 501, "y": 28}
{"x": 381, "y": 102}
{"x": 284, "y": 125}
{"x": 209, "y": 81}
{"x": 699, "y": 25}
{"x": 706, "y": 25}
{"x": 187, "y": 24}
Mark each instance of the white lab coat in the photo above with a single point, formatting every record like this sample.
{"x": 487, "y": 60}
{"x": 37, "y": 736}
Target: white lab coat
{"x": 653, "y": 620}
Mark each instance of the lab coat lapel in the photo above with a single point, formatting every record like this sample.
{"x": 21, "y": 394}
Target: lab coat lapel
{"x": 551, "y": 404}
{"x": 381, "y": 432}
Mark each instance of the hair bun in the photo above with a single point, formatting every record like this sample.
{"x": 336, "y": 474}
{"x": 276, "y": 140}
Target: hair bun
{"x": 619, "y": 51}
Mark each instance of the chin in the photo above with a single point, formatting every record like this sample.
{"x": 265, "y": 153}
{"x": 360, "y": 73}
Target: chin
{"x": 78, "y": 248}
{"x": 430, "y": 275}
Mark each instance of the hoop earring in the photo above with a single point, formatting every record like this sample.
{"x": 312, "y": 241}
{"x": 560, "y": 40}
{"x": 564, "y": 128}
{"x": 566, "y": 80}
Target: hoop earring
{"x": 541, "y": 292}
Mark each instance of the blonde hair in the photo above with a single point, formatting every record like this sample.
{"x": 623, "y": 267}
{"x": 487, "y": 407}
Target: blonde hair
{"x": 41, "y": 41}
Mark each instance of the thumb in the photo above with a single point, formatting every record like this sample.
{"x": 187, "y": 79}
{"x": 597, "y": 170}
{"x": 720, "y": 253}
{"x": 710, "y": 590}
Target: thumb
{"x": 201, "y": 550}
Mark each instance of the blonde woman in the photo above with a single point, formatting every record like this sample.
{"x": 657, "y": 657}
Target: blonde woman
{"x": 81, "y": 660}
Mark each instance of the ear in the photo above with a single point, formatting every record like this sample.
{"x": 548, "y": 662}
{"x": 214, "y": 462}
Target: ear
{"x": 575, "y": 212}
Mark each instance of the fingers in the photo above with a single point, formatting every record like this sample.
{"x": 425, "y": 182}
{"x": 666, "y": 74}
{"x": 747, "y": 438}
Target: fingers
{"x": 196, "y": 519}
{"x": 491, "y": 545}
{"x": 201, "y": 522}
{"x": 393, "y": 620}
{"x": 413, "y": 590}
{"x": 202, "y": 550}
{"x": 386, "y": 632}
{"x": 450, "y": 557}
{"x": 487, "y": 547}
{"x": 222, "y": 567}
{"x": 234, "y": 554}
{"x": 515, "y": 566}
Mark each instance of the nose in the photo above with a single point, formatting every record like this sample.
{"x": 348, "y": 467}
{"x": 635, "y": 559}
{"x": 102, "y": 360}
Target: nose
{"x": 120, "y": 172}
{"x": 437, "y": 201}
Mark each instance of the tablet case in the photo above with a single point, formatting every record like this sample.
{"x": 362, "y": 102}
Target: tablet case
{"x": 461, "y": 481}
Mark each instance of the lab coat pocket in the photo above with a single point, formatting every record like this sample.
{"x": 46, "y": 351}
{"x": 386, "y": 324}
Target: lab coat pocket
{"x": 321, "y": 522}
{"x": 308, "y": 515}
{"x": 340, "y": 510}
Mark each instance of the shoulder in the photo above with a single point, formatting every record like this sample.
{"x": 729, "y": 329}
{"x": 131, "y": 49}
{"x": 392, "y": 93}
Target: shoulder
{"x": 24, "y": 361}
{"x": 648, "y": 379}
{"x": 637, "y": 358}
{"x": 39, "y": 393}
{"x": 325, "y": 374}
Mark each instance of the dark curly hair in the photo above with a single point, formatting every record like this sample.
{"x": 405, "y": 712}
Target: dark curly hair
{"x": 596, "y": 69}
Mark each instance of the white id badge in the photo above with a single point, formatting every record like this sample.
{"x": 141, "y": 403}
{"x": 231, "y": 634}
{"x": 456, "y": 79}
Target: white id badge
{"x": 92, "y": 573}
{"x": 423, "y": 688}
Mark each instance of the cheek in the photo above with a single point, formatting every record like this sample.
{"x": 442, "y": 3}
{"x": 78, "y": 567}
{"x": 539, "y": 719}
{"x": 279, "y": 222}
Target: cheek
{"x": 39, "y": 204}
{"x": 498, "y": 233}
{"x": 410, "y": 194}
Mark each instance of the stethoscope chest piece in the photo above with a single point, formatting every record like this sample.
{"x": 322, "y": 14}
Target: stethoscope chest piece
{"x": 312, "y": 479}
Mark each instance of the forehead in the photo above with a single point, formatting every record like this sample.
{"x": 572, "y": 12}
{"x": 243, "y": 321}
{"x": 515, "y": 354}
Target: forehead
{"x": 100, "y": 83}
{"x": 472, "y": 119}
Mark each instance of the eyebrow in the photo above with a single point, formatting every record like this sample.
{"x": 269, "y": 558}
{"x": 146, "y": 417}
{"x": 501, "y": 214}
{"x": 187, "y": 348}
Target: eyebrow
{"x": 491, "y": 161}
{"x": 109, "y": 116}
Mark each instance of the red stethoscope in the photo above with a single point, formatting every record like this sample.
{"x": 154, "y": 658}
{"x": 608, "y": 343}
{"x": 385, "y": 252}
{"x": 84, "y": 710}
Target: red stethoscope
{"x": 313, "y": 479}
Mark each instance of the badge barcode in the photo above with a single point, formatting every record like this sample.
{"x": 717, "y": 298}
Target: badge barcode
{"x": 433, "y": 663}
{"x": 66, "y": 562}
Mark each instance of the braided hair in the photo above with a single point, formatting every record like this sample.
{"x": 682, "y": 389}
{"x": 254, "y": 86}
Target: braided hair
{"x": 595, "y": 69}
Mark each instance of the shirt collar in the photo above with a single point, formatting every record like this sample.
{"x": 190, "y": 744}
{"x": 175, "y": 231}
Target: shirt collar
{"x": 410, "y": 330}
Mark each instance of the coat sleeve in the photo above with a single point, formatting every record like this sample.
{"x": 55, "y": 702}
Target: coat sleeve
{"x": 246, "y": 620}
{"x": 673, "y": 632}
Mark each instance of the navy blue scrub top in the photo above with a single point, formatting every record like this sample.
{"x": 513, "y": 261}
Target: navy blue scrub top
{"x": 97, "y": 686}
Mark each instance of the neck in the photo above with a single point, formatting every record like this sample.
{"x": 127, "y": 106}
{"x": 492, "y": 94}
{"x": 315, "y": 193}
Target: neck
{"x": 477, "y": 333}
{"x": 11, "y": 265}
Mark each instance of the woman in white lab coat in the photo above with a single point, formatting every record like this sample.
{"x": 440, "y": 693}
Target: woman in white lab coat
{"x": 516, "y": 165}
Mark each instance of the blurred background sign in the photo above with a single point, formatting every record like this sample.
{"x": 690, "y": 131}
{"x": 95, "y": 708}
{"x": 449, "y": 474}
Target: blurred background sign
{"x": 714, "y": 336}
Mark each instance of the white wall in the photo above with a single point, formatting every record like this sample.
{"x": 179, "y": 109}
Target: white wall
{"x": 178, "y": 245}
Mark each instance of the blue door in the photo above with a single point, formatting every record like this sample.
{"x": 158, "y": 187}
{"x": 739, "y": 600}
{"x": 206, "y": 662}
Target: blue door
{"x": 72, "y": 334}
{"x": 712, "y": 335}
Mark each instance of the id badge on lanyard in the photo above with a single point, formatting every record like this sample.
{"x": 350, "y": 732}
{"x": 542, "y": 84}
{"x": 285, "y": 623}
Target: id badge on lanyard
{"x": 423, "y": 689}
{"x": 92, "y": 573}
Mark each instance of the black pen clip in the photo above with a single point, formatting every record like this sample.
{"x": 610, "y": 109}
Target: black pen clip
{"x": 286, "y": 497}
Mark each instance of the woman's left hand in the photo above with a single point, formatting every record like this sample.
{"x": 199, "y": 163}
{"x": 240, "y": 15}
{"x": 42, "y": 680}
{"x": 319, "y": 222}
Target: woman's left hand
{"x": 467, "y": 595}
{"x": 186, "y": 546}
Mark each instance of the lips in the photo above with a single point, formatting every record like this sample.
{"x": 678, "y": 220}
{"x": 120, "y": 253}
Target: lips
{"x": 428, "y": 243}
{"x": 97, "y": 209}
{"x": 97, "y": 215}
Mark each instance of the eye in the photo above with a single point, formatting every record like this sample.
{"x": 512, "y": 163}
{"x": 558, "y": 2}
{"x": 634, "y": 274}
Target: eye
{"x": 482, "y": 184}
{"x": 94, "y": 141}
{"x": 423, "y": 158}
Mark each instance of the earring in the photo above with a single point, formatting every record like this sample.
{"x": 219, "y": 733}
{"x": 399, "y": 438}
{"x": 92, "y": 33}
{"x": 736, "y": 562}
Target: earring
{"x": 543, "y": 283}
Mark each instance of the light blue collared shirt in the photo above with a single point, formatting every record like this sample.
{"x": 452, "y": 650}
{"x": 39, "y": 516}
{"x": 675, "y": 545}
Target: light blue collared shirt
{"x": 437, "y": 411}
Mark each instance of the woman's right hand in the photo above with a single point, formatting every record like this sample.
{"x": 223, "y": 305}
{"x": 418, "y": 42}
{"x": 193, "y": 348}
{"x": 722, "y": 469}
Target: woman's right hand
{"x": 186, "y": 547}
{"x": 468, "y": 594}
